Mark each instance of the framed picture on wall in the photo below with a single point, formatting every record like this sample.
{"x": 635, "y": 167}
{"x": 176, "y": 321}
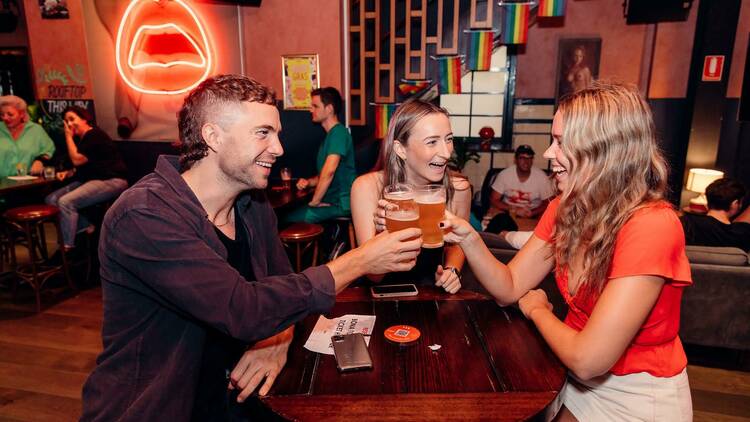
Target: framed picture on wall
{"x": 301, "y": 75}
{"x": 577, "y": 64}
{"x": 54, "y": 9}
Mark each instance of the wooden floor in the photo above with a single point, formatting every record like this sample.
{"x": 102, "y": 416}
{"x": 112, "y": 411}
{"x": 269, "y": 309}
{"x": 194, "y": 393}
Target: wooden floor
{"x": 45, "y": 358}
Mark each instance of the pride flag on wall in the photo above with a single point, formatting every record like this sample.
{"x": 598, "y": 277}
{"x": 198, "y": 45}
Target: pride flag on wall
{"x": 450, "y": 74}
{"x": 383, "y": 113}
{"x": 551, "y": 8}
{"x": 480, "y": 49}
{"x": 411, "y": 87}
{"x": 516, "y": 26}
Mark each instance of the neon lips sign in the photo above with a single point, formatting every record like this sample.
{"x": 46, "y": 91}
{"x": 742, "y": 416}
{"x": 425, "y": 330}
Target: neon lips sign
{"x": 162, "y": 47}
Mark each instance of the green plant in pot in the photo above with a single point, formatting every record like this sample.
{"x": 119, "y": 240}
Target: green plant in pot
{"x": 462, "y": 154}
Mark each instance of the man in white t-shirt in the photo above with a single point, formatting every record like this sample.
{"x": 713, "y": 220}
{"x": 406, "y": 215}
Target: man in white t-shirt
{"x": 522, "y": 189}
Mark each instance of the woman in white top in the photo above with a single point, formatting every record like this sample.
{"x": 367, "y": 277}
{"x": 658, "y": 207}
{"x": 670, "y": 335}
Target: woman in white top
{"x": 416, "y": 151}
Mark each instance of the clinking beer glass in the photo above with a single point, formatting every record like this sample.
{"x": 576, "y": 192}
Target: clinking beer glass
{"x": 405, "y": 213}
{"x": 431, "y": 203}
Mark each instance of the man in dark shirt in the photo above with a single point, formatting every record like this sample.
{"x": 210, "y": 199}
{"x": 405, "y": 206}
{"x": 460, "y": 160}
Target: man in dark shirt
{"x": 717, "y": 228}
{"x": 179, "y": 251}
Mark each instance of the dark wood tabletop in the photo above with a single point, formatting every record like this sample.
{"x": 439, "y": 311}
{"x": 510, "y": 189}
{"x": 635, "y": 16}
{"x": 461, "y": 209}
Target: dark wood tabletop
{"x": 12, "y": 186}
{"x": 285, "y": 199}
{"x": 493, "y": 364}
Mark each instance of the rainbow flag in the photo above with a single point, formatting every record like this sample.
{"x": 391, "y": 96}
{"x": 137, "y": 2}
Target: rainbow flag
{"x": 411, "y": 87}
{"x": 551, "y": 8}
{"x": 450, "y": 74}
{"x": 383, "y": 113}
{"x": 516, "y": 23}
{"x": 480, "y": 49}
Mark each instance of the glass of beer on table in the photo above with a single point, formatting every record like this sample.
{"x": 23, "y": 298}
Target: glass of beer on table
{"x": 404, "y": 213}
{"x": 430, "y": 200}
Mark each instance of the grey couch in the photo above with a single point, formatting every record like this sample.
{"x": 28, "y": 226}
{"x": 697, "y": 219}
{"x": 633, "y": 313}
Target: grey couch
{"x": 715, "y": 309}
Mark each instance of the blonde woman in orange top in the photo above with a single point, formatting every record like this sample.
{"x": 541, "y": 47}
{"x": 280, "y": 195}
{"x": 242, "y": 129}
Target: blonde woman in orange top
{"x": 618, "y": 252}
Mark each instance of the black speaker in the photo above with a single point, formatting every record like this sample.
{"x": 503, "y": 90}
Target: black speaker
{"x": 654, "y": 11}
{"x": 744, "y": 113}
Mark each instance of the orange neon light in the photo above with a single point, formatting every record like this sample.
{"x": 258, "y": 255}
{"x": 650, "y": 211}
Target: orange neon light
{"x": 166, "y": 46}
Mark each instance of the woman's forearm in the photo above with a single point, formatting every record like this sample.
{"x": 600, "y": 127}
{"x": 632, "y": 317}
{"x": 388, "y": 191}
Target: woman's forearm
{"x": 493, "y": 274}
{"x": 454, "y": 257}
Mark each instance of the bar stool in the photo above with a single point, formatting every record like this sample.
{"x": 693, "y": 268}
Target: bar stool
{"x": 30, "y": 219}
{"x": 302, "y": 236}
{"x": 347, "y": 222}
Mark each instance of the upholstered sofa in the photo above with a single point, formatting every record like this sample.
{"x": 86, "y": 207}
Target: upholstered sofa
{"x": 715, "y": 309}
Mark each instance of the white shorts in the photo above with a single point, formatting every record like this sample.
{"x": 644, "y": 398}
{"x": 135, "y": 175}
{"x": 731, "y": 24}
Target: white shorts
{"x": 632, "y": 397}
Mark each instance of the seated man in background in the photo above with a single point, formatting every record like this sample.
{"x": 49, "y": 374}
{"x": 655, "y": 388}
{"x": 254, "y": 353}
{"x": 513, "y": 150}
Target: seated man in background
{"x": 521, "y": 189}
{"x": 194, "y": 274}
{"x": 335, "y": 163}
{"x": 717, "y": 227}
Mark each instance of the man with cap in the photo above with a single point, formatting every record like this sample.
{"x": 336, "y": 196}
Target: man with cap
{"x": 521, "y": 189}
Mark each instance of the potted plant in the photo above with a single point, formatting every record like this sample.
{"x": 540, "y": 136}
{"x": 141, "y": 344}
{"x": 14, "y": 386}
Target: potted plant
{"x": 462, "y": 154}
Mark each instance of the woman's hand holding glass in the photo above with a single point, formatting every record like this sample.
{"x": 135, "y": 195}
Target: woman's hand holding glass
{"x": 455, "y": 229}
{"x": 379, "y": 217}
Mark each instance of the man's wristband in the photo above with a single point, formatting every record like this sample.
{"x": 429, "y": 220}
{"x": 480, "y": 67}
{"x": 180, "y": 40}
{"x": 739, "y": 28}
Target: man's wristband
{"x": 455, "y": 270}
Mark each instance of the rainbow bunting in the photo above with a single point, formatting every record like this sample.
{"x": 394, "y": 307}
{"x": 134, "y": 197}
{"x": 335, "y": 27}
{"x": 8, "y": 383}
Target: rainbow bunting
{"x": 411, "y": 87}
{"x": 450, "y": 74}
{"x": 480, "y": 49}
{"x": 516, "y": 23}
{"x": 551, "y": 8}
{"x": 383, "y": 113}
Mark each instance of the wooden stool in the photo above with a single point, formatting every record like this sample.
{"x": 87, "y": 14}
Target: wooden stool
{"x": 303, "y": 236}
{"x": 30, "y": 219}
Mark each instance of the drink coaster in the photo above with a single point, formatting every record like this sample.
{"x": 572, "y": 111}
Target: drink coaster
{"x": 403, "y": 334}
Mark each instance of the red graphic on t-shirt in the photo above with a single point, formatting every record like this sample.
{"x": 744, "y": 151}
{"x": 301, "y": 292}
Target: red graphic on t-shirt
{"x": 519, "y": 197}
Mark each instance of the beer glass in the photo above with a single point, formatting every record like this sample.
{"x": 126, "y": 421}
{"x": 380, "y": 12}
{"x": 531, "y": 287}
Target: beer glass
{"x": 286, "y": 177}
{"x": 49, "y": 173}
{"x": 406, "y": 213}
{"x": 431, "y": 203}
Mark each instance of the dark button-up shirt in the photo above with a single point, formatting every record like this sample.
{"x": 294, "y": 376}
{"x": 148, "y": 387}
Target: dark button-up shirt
{"x": 165, "y": 279}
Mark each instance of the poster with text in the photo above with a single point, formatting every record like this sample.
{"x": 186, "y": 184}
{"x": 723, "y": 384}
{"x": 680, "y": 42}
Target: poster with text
{"x": 301, "y": 76}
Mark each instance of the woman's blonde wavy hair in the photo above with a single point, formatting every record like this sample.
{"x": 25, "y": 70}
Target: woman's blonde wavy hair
{"x": 402, "y": 124}
{"x": 616, "y": 169}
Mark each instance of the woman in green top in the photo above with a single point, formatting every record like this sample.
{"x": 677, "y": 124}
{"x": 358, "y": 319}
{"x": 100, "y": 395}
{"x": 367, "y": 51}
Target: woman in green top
{"x": 23, "y": 144}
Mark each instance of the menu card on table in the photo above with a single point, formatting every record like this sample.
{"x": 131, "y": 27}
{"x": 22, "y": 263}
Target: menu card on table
{"x": 320, "y": 338}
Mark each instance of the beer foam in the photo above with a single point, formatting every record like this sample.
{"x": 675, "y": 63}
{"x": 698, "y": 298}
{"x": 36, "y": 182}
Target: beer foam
{"x": 396, "y": 196}
{"x": 430, "y": 199}
{"x": 400, "y": 215}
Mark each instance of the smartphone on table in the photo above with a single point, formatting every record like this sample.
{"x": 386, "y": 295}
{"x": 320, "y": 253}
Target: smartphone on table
{"x": 393, "y": 290}
{"x": 351, "y": 352}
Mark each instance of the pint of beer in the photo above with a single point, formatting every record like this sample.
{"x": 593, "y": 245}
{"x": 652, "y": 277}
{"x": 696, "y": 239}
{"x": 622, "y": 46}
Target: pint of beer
{"x": 431, "y": 202}
{"x": 399, "y": 193}
{"x": 406, "y": 213}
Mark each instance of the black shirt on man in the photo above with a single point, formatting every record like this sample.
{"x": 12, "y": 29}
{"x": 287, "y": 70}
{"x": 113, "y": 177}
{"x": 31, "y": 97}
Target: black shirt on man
{"x": 703, "y": 230}
{"x": 213, "y": 402}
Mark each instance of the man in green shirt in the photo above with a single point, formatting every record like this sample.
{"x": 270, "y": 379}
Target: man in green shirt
{"x": 335, "y": 163}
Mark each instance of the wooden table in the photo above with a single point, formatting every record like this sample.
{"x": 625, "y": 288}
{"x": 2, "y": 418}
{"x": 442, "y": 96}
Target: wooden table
{"x": 493, "y": 365}
{"x": 283, "y": 199}
{"x": 8, "y": 186}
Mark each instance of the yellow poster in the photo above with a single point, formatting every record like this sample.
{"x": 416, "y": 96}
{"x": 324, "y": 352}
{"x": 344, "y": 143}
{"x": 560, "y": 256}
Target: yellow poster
{"x": 300, "y": 78}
